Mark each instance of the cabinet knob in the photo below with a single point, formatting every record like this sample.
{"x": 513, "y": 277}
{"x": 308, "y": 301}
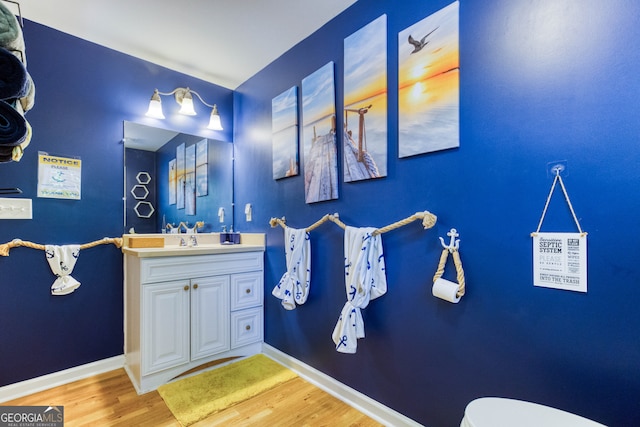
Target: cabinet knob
{"x": 248, "y": 290}
{"x": 248, "y": 327}
{"x": 186, "y": 287}
{"x": 195, "y": 286}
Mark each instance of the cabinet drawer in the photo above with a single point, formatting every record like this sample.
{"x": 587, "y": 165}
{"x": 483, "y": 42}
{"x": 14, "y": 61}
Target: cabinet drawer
{"x": 187, "y": 267}
{"x": 246, "y": 327}
{"x": 246, "y": 290}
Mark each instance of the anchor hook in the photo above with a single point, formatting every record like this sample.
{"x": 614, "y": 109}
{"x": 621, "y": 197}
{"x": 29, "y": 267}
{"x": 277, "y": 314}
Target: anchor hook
{"x": 454, "y": 243}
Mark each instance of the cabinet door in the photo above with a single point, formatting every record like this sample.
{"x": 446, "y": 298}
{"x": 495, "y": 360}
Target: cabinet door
{"x": 209, "y": 316}
{"x": 165, "y": 325}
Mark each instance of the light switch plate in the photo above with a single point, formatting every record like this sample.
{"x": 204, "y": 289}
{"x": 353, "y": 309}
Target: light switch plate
{"x": 12, "y": 208}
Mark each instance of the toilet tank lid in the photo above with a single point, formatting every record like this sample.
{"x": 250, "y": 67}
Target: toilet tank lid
{"x": 503, "y": 412}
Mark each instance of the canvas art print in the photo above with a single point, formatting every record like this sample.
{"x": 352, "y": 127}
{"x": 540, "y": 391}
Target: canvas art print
{"x": 319, "y": 135}
{"x": 365, "y": 102}
{"x": 428, "y": 89}
{"x": 180, "y": 176}
{"x": 172, "y": 182}
{"x": 202, "y": 181}
{"x": 190, "y": 180}
{"x": 202, "y": 168}
{"x": 202, "y": 152}
{"x": 284, "y": 119}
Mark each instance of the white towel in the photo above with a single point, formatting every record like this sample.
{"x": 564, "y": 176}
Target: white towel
{"x": 62, "y": 259}
{"x": 293, "y": 287}
{"x": 365, "y": 280}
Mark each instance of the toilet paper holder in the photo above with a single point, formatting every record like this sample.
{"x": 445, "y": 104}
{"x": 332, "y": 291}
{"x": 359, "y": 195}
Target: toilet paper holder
{"x": 442, "y": 288}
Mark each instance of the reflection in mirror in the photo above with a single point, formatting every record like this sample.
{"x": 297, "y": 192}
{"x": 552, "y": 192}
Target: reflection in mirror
{"x": 183, "y": 178}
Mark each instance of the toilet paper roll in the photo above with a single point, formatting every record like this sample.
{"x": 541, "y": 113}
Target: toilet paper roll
{"x": 446, "y": 290}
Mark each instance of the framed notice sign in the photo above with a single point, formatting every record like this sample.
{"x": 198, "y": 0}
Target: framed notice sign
{"x": 59, "y": 177}
{"x": 560, "y": 261}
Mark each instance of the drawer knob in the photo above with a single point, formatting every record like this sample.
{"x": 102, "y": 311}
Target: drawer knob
{"x": 248, "y": 327}
{"x": 195, "y": 286}
{"x": 248, "y": 290}
{"x": 186, "y": 287}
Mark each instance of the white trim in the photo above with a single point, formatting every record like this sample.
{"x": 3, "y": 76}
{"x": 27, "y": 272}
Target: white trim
{"x": 45, "y": 382}
{"x": 353, "y": 398}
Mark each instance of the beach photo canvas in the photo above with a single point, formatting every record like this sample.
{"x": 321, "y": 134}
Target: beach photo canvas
{"x": 319, "y": 135}
{"x": 284, "y": 119}
{"x": 365, "y": 102}
{"x": 428, "y": 84}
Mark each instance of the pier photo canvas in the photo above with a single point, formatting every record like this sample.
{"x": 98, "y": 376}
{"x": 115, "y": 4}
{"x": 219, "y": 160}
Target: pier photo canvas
{"x": 284, "y": 128}
{"x": 428, "y": 88}
{"x": 172, "y": 181}
{"x": 319, "y": 135}
{"x": 190, "y": 180}
{"x": 365, "y": 102}
{"x": 180, "y": 176}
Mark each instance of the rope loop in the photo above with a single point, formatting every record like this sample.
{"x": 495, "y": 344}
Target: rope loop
{"x": 557, "y": 179}
{"x": 457, "y": 262}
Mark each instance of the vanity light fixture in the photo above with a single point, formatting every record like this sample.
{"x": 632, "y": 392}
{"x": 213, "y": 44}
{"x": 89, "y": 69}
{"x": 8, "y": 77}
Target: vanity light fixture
{"x": 184, "y": 97}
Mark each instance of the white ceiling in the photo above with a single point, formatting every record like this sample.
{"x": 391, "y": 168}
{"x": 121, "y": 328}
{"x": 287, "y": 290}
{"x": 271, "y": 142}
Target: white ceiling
{"x": 224, "y": 42}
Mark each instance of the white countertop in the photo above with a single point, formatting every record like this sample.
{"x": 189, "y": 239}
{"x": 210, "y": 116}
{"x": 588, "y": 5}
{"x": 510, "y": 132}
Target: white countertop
{"x": 249, "y": 242}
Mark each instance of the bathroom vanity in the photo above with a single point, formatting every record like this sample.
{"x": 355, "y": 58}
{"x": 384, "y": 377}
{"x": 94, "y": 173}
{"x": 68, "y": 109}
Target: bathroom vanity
{"x": 185, "y": 306}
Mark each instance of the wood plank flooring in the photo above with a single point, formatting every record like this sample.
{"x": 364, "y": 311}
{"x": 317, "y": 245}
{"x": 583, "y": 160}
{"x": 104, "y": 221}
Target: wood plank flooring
{"x": 109, "y": 399}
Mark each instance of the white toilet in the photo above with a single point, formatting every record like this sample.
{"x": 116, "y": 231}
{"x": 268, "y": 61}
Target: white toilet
{"x": 501, "y": 412}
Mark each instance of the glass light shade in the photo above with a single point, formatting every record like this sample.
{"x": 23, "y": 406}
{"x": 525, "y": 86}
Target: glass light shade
{"x": 155, "y": 108}
{"x": 214, "y": 119}
{"x": 186, "y": 107}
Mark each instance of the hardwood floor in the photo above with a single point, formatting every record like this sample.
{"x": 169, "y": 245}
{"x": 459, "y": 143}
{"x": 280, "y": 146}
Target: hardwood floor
{"x": 109, "y": 399}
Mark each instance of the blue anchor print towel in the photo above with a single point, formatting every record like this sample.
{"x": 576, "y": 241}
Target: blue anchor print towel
{"x": 365, "y": 280}
{"x": 294, "y": 285}
{"x": 62, "y": 259}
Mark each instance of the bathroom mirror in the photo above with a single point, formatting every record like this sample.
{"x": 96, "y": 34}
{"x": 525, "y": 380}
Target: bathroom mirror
{"x": 172, "y": 177}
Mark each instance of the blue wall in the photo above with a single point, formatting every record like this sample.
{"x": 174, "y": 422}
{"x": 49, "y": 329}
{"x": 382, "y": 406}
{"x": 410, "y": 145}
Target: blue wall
{"x": 138, "y": 161}
{"x": 541, "y": 81}
{"x": 84, "y": 92}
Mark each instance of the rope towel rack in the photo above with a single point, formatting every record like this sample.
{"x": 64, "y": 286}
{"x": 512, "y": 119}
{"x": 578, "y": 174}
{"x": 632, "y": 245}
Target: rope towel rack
{"x": 428, "y": 221}
{"x": 6, "y": 247}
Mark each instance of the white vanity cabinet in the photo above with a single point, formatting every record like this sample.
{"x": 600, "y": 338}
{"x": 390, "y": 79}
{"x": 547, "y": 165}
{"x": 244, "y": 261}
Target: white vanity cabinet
{"x": 182, "y": 311}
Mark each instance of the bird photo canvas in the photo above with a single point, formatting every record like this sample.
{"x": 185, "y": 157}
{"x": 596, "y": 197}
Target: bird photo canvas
{"x": 428, "y": 84}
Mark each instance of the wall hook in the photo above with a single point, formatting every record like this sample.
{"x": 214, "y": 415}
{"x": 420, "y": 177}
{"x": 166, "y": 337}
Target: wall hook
{"x": 454, "y": 243}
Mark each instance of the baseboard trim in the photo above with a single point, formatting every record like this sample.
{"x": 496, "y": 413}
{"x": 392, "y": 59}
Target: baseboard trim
{"x": 354, "y": 398}
{"x": 45, "y": 382}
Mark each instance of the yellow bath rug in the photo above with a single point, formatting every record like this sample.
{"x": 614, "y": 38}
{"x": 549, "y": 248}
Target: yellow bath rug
{"x": 195, "y": 398}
